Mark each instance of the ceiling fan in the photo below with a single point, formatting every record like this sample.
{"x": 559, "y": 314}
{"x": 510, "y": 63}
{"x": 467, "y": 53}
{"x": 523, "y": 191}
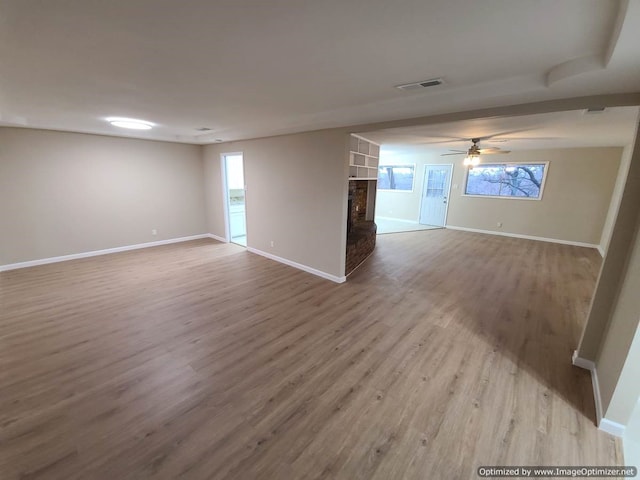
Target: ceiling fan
{"x": 474, "y": 152}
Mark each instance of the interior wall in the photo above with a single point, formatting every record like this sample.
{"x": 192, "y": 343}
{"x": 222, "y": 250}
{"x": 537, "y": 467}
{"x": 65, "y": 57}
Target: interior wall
{"x": 613, "y": 267}
{"x": 214, "y": 193}
{"x": 616, "y": 197}
{"x": 68, "y": 193}
{"x": 618, "y": 360}
{"x": 403, "y": 205}
{"x": 574, "y": 206}
{"x": 296, "y": 196}
{"x": 631, "y": 440}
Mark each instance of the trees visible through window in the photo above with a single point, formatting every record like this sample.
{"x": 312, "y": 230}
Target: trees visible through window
{"x": 396, "y": 177}
{"x": 515, "y": 180}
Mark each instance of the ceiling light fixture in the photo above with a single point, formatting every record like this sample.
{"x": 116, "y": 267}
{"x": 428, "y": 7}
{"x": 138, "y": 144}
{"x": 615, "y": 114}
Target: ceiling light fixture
{"x": 473, "y": 155}
{"x": 472, "y": 160}
{"x": 130, "y": 123}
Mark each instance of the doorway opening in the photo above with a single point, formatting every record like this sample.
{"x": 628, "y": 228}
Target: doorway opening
{"x": 406, "y": 196}
{"x": 235, "y": 198}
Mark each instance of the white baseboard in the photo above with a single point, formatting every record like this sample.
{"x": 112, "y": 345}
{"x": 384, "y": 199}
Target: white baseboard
{"x": 601, "y": 250}
{"x": 216, "y": 237}
{"x": 526, "y": 237}
{"x": 614, "y": 428}
{"x": 597, "y": 399}
{"x": 95, "y": 253}
{"x": 603, "y": 424}
{"x": 582, "y": 362}
{"x": 297, "y": 265}
{"x": 591, "y": 366}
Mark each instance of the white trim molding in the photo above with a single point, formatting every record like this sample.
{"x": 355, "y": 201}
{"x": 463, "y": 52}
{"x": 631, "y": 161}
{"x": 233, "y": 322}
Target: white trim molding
{"x": 106, "y": 251}
{"x": 614, "y": 428}
{"x": 601, "y": 250}
{"x": 582, "y": 362}
{"x": 603, "y": 424}
{"x": 526, "y": 237}
{"x": 591, "y": 366}
{"x": 297, "y": 265}
{"x": 216, "y": 237}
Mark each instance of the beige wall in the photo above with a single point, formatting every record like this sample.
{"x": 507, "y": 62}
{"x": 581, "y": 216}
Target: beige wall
{"x": 214, "y": 195}
{"x": 403, "y": 205}
{"x": 67, "y": 193}
{"x": 618, "y": 361}
{"x": 296, "y": 196}
{"x": 613, "y": 267}
{"x": 632, "y": 438}
{"x": 611, "y": 337}
{"x": 616, "y": 197}
{"x": 573, "y": 208}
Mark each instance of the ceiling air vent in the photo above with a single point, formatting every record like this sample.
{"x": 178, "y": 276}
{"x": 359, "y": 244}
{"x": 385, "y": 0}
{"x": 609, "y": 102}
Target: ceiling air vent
{"x": 434, "y": 82}
{"x": 592, "y": 110}
{"x": 203, "y": 129}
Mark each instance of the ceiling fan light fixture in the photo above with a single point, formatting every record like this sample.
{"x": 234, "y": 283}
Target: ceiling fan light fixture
{"x": 471, "y": 160}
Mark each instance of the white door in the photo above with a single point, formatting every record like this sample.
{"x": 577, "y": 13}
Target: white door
{"x": 435, "y": 194}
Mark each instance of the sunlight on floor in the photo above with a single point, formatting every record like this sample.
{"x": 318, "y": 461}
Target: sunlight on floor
{"x": 240, "y": 240}
{"x": 392, "y": 225}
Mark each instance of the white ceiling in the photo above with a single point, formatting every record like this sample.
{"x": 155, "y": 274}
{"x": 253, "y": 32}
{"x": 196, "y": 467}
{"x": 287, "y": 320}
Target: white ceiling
{"x": 614, "y": 127}
{"x": 248, "y": 68}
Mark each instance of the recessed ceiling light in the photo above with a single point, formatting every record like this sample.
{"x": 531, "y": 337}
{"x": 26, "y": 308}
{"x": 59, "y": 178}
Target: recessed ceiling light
{"x": 130, "y": 123}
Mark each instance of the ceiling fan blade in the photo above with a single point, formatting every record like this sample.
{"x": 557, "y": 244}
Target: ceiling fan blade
{"x": 433, "y": 143}
{"x": 414, "y": 139}
{"x": 484, "y": 151}
{"x": 446, "y": 154}
{"x": 516, "y": 139}
{"x": 496, "y": 152}
{"x": 508, "y": 132}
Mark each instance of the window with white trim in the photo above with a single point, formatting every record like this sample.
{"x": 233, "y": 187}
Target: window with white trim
{"x": 396, "y": 177}
{"x": 507, "y": 180}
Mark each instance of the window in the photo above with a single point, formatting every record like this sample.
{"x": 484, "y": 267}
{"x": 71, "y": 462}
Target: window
{"x": 507, "y": 180}
{"x": 396, "y": 177}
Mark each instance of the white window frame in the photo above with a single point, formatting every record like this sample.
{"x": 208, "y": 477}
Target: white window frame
{"x": 503, "y": 197}
{"x": 413, "y": 183}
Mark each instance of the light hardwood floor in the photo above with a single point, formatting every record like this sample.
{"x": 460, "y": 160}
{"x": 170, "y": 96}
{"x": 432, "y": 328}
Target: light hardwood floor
{"x": 445, "y": 351}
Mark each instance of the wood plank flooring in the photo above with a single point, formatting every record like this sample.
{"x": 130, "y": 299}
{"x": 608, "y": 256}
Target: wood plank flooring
{"x": 444, "y": 351}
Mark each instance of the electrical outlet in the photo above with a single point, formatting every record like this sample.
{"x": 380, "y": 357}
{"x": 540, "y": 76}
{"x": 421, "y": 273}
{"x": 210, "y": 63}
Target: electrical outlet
{"x": 499, "y": 224}
{"x": 272, "y": 243}
{"x": 154, "y": 232}
{"x": 357, "y": 208}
